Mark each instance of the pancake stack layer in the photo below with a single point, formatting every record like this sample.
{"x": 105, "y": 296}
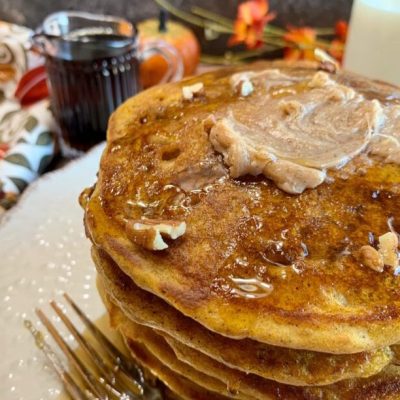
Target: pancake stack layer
{"x": 244, "y": 228}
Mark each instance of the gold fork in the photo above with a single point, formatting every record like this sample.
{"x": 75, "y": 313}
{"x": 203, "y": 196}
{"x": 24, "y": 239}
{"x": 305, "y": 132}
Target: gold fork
{"x": 108, "y": 375}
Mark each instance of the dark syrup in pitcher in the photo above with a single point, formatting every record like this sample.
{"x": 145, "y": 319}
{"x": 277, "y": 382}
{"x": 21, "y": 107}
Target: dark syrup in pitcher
{"x": 90, "y": 76}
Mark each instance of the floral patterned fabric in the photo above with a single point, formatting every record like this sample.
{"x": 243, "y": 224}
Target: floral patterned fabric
{"x": 27, "y": 140}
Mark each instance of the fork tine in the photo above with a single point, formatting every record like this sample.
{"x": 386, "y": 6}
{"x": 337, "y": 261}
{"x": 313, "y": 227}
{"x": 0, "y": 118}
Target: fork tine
{"x": 69, "y": 383}
{"x": 107, "y": 375}
{"x": 100, "y": 364}
{"x": 113, "y": 352}
{"x": 134, "y": 383}
{"x": 85, "y": 374}
{"x": 90, "y": 351}
{"x": 132, "y": 372}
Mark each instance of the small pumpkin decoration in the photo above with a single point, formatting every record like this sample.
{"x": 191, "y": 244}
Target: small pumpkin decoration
{"x": 175, "y": 34}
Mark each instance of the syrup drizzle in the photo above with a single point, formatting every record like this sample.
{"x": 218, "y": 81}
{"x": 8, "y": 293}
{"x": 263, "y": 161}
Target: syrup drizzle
{"x": 251, "y": 288}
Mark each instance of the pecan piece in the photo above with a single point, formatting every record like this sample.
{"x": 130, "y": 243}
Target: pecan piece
{"x": 241, "y": 83}
{"x": 150, "y": 233}
{"x": 192, "y": 91}
{"x": 388, "y": 248}
{"x": 371, "y": 258}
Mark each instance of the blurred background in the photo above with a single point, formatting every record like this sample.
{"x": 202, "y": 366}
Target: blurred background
{"x": 316, "y": 13}
{"x": 299, "y": 12}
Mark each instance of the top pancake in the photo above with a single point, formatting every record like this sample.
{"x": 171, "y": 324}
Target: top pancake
{"x": 322, "y": 299}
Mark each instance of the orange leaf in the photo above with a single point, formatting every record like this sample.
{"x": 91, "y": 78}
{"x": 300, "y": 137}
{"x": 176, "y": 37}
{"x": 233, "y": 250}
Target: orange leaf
{"x": 341, "y": 29}
{"x": 301, "y": 43}
{"x": 336, "y": 49}
{"x": 300, "y": 36}
{"x": 252, "y": 16}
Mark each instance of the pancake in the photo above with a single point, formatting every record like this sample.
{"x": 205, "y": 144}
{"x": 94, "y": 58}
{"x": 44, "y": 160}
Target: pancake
{"x": 295, "y": 253}
{"x": 181, "y": 387}
{"x": 289, "y": 366}
{"x": 159, "y": 348}
{"x": 253, "y": 385}
{"x": 385, "y": 385}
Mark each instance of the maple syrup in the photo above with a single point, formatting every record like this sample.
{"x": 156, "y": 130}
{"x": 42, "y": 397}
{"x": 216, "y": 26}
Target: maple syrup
{"x": 92, "y": 66}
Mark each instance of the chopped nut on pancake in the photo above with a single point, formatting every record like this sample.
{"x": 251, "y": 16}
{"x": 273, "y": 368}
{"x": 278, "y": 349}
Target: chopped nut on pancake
{"x": 192, "y": 91}
{"x": 246, "y": 88}
{"x": 149, "y": 232}
{"x": 327, "y": 62}
{"x": 236, "y": 79}
{"x": 371, "y": 258}
{"x": 388, "y": 248}
{"x": 241, "y": 83}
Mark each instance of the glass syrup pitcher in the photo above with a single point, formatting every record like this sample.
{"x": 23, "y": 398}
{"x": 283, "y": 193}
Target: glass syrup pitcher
{"x": 92, "y": 62}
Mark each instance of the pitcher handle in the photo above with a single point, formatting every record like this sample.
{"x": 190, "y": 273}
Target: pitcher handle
{"x": 38, "y": 40}
{"x": 171, "y": 56}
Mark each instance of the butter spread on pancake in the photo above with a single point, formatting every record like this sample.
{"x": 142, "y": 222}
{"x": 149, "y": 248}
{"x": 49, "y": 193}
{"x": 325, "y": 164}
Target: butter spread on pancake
{"x": 266, "y": 78}
{"x": 387, "y": 143}
{"x": 291, "y": 137}
{"x": 198, "y": 176}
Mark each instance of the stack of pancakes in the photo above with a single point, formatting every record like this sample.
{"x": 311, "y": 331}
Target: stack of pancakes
{"x": 264, "y": 295}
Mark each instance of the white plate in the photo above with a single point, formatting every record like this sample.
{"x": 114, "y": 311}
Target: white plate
{"x": 43, "y": 253}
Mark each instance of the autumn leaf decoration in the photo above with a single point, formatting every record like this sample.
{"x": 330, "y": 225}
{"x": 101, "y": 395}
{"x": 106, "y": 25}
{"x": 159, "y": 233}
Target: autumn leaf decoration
{"x": 250, "y": 23}
{"x": 301, "y": 43}
{"x": 337, "y": 45}
{"x": 253, "y": 31}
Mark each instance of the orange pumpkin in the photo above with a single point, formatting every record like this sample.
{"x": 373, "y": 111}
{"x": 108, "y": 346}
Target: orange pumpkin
{"x": 177, "y": 35}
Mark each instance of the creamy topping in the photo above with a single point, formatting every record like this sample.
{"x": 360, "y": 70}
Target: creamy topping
{"x": 243, "y": 159}
{"x": 198, "y": 176}
{"x": 386, "y": 144}
{"x": 266, "y": 78}
{"x": 291, "y": 139}
{"x": 292, "y": 177}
